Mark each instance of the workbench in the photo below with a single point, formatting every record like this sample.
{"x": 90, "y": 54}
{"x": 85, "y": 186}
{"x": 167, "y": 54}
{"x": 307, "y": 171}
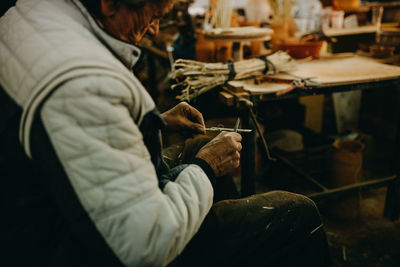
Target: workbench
{"x": 329, "y": 75}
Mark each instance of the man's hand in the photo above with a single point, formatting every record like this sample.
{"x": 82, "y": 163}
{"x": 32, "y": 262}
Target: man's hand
{"x": 184, "y": 117}
{"x": 222, "y": 153}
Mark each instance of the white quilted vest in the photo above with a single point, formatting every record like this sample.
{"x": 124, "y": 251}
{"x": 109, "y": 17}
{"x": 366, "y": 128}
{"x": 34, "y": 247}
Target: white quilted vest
{"x": 52, "y": 42}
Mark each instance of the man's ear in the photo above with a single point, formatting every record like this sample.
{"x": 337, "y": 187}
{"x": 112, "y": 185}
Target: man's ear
{"x": 107, "y": 8}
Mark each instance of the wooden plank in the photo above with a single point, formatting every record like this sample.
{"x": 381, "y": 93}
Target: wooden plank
{"x": 226, "y": 98}
{"x": 239, "y": 34}
{"x": 229, "y": 97}
{"x": 387, "y": 4}
{"x": 339, "y": 71}
{"x": 327, "y": 71}
{"x": 258, "y": 89}
{"x": 350, "y": 31}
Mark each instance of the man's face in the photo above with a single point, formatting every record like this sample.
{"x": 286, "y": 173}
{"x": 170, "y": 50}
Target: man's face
{"x": 132, "y": 24}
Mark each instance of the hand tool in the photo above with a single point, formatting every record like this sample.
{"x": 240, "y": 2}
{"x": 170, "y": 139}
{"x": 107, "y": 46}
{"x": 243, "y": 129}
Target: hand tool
{"x": 235, "y": 129}
{"x": 220, "y": 129}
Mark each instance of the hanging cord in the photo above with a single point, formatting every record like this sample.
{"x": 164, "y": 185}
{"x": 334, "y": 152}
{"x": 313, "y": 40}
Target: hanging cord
{"x": 250, "y": 105}
{"x": 253, "y": 117}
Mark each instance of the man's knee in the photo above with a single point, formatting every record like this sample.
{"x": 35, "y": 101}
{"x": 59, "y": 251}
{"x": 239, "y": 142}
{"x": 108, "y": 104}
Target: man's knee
{"x": 296, "y": 204}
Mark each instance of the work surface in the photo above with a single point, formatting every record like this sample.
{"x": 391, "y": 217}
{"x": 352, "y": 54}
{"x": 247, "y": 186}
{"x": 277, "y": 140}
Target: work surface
{"x": 327, "y": 72}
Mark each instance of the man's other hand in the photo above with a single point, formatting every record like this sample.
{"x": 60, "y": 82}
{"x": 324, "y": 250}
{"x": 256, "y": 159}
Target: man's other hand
{"x": 222, "y": 153}
{"x": 184, "y": 117}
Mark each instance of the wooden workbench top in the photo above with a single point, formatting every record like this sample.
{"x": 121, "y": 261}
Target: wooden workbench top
{"x": 332, "y": 71}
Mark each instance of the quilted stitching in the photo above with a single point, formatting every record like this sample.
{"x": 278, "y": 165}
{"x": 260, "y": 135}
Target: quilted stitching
{"x": 120, "y": 186}
{"x": 92, "y": 124}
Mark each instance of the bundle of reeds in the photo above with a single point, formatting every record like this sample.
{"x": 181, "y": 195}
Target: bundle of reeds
{"x": 195, "y": 78}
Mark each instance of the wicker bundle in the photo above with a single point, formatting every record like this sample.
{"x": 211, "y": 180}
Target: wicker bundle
{"x": 195, "y": 78}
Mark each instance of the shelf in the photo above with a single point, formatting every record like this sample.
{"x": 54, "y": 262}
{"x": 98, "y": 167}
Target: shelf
{"x": 350, "y": 31}
{"x": 384, "y": 4}
{"x": 361, "y": 9}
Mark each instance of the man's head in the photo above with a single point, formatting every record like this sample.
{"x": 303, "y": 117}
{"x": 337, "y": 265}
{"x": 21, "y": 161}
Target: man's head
{"x": 129, "y": 20}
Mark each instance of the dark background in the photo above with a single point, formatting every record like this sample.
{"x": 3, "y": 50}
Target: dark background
{"x": 5, "y": 5}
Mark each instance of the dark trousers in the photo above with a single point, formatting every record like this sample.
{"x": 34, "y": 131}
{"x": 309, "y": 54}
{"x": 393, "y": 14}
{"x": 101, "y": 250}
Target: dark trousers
{"x": 271, "y": 229}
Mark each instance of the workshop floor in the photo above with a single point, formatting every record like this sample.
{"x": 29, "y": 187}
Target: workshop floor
{"x": 366, "y": 239}
{"x": 362, "y": 239}
{"x": 369, "y": 240}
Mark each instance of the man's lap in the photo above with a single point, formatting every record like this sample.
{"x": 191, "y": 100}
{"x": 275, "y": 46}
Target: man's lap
{"x": 276, "y": 228}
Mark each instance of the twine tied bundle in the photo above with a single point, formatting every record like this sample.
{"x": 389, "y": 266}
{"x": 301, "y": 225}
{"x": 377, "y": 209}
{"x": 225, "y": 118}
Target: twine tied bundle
{"x": 195, "y": 78}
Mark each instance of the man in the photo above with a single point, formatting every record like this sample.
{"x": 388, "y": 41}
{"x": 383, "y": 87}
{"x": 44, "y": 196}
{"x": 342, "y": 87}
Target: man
{"x": 84, "y": 183}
